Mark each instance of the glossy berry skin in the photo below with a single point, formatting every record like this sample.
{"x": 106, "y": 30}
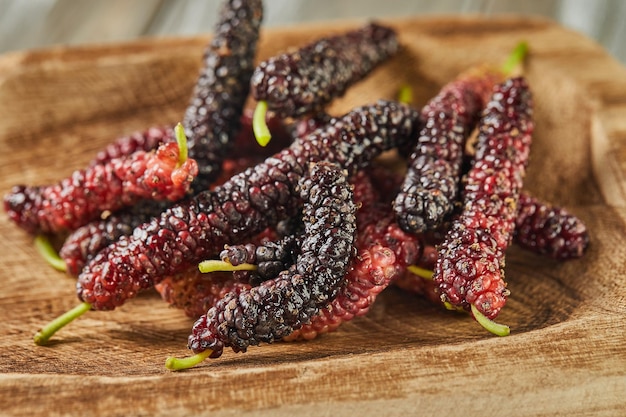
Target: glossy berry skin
{"x": 470, "y": 266}
{"x": 248, "y": 203}
{"x": 212, "y": 118}
{"x": 87, "y": 193}
{"x": 277, "y": 307}
{"x": 146, "y": 141}
{"x": 549, "y": 230}
{"x": 429, "y": 189}
{"x": 306, "y": 80}
{"x": 82, "y": 244}
{"x": 384, "y": 252}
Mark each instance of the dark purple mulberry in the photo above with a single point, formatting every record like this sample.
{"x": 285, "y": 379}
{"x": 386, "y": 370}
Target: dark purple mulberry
{"x": 470, "y": 267}
{"x": 277, "y": 307}
{"x": 270, "y": 258}
{"x": 306, "y": 80}
{"x": 259, "y": 197}
{"x": 429, "y": 189}
{"x": 212, "y": 118}
{"x": 549, "y": 230}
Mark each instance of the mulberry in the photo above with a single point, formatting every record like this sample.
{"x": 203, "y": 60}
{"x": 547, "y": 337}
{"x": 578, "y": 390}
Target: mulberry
{"x": 212, "y": 118}
{"x": 470, "y": 267}
{"x": 278, "y": 306}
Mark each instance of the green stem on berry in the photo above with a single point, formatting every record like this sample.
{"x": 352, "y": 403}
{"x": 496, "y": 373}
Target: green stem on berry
{"x": 515, "y": 61}
{"x": 213, "y": 265}
{"x": 259, "y": 126}
{"x": 405, "y": 94}
{"x": 181, "y": 139}
{"x": 178, "y": 364}
{"x": 43, "y": 335}
{"x": 420, "y": 272}
{"x": 490, "y": 325}
{"x": 47, "y": 251}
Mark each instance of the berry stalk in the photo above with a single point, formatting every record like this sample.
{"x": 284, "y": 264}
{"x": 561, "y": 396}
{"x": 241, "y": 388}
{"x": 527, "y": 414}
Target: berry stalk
{"x": 43, "y": 335}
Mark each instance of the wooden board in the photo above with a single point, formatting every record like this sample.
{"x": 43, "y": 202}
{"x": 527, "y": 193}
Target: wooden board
{"x": 567, "y": 351}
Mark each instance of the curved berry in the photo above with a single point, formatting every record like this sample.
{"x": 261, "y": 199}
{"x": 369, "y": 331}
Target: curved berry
{"x": 277, "y": 307}
{"x": 198, "y": 229}
{"x": 470, "y": 267}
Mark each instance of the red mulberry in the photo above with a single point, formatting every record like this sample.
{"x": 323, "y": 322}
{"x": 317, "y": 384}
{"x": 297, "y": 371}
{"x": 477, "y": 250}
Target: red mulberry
{"x": 549, "y": 230}
{"x": 470, "y": 268}
{"x": 87, "y": 193}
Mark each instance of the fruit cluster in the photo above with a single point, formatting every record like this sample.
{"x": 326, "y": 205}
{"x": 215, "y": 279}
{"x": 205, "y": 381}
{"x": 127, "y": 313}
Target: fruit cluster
{"x": 290, "y": 240}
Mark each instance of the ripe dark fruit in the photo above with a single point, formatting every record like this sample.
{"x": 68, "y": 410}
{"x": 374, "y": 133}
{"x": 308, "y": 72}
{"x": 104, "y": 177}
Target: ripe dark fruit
{"x": 277, "y": 307}
{"x": 306, "y": 80}
{"x": 470, "y": 266}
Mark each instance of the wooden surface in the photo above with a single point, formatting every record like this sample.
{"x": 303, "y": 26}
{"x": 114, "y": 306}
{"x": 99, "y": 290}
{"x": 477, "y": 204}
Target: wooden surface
{"x": 566, "y": 354}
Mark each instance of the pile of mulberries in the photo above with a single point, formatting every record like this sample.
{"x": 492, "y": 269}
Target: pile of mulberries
{"x": 304, "y": 234}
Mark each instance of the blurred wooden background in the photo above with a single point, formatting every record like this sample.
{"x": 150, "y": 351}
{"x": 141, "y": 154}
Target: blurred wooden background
{"x": 26, "y": 24}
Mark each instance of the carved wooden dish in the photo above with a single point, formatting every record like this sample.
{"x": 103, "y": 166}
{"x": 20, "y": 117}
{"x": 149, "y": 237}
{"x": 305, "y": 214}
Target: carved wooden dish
{"x": 566, "y": 354}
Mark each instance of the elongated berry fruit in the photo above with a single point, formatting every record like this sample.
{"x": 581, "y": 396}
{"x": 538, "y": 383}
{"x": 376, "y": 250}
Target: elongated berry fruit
{"x": 277, "y": 307}
{"x": 82, "y": 197}
{"x": 84, "y": 243}
{"x": 384, "y": 253}
{"x": 306, "y": 80}
{"x": 549, "y": 230}
{"x": 260, "y": 197}
{"x": 429, "y": 189}
{"x": 146, "y": 141}
{"x": 212, "y": 118}
{"x": 470, "y": 266}
{"x": 195, "y": 292}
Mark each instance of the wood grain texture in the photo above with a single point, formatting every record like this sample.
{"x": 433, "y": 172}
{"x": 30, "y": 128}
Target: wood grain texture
{"x": 567, "y": 351}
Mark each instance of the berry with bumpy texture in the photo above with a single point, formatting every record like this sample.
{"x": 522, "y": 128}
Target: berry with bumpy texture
{"x": 429, "y": 189}
{"x": 84, "y": 243}
{"x": 82, "y": 197}
{"x": 384, "y": 253}
{"x": 259, "y": 197}
{"x": 212, "y": 118}
{"x": 293, "y": 84}
{"x": 549, "y": 230}
{"x": 470, "y": 267}
{"x": 195, "y": 292}
{"x": 277, "y": 307}
{"x": 146, "y": 141}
